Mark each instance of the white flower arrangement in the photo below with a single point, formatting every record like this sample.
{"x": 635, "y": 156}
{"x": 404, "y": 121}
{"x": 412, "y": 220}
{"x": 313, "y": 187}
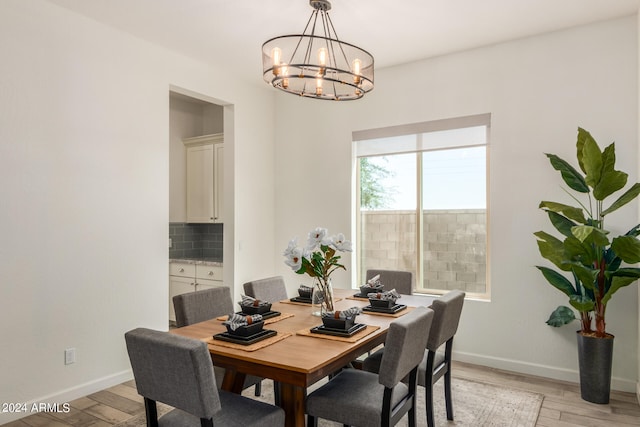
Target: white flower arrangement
{"x": 318, "y": 259}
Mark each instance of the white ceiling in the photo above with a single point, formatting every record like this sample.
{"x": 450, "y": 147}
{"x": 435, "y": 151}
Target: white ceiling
{"x": 395, "y": 32}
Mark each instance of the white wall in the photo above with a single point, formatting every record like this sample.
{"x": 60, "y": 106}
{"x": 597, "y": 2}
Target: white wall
{"x": 538, "y": 90}
{"x": 84, "y": 177}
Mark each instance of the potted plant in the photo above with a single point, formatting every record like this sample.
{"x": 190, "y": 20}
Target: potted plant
{"x": 589, "y": 259}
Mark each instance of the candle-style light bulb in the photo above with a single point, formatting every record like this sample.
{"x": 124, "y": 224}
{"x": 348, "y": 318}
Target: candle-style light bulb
{"x": 356, "y": 65}
{"x": 276, "y": 55}
{"x": 322, "y": 59}
{"x": 322, "y": 56}
{"x": 318, "y": 86}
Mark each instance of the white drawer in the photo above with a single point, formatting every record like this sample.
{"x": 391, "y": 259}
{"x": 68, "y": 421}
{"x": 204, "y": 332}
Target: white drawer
{"x": 208, "y": 272}
{"x": 182, "y": 269}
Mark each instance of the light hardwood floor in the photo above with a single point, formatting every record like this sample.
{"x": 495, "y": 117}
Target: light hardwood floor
{"x": 562, "y": 405}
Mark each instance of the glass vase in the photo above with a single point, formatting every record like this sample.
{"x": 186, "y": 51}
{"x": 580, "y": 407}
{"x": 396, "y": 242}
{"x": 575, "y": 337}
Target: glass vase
{"x": 322, "y": 296}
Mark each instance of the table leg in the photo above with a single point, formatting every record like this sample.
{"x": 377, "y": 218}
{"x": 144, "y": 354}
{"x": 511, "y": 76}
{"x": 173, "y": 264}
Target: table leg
{"x": 233, "y": 381}
{"x": 292, "y": 401}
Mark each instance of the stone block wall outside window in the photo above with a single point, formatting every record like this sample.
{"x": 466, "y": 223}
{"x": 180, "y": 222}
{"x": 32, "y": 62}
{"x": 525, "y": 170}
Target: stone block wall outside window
{"x": 454, "y": 246}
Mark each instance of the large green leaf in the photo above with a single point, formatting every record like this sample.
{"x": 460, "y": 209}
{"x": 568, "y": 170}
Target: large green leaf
{"x": 581, "y": 302}
{"x": 557, "y": 280}
{"x": 627, "y": 248}
{"x": 576, "y": 250}
{"x": 627, "y": 197}
{"x": 590, "y": 235}
{"x": 590, "y": 159}
{"x": 561, "y": 316}
{"x": 570, "y": 212}
{"x": 571, "y": 177}
{"x": 611, "y": 260}
{"x": 620, "y": 279}
{"x": 561, "y": 223}
{"x": 610, "y": 182}
{"x": 583, "y": 135}
{"x": 609, "y": 158}
{"x": 552, "y": 249}
{"x": 586, "y": 275}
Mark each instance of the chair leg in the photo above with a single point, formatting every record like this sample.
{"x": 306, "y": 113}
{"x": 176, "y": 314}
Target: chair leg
{"x": 447, "y": 379}
{"x": 412, "y": 410}
{"x": 428, "y": 389}
{"x": 151, "y": 411}
{"x": 258, "y": 389}
{"x": 412, "y": 417}
{"x": 312, "y": 421}
{"x": 447, "y": 395}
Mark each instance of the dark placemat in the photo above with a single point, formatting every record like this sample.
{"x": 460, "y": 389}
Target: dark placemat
{"x": 262, "y": 335}
{"x": 301, "y": 300}
{"x": 391, "y": 310}
{"x": 361, "y": 296}
{"x": 338, "y": 332}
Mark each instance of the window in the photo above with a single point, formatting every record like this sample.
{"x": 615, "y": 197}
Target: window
{"x": 422, "y": 203}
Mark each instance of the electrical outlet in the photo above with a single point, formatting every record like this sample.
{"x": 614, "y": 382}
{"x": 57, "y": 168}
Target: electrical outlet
{"x": 70, "y": 356}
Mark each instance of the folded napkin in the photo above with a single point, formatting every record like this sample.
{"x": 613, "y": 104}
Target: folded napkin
{"x": 344, "y": 314}
{"x": 236, "y": 320}
{"x": 387, "y": 295}
{"x": 248, "y": 301}
{"x": 373, "y": 283}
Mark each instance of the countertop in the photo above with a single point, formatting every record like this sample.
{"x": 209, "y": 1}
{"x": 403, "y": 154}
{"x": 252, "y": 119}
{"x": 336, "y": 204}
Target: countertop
{"x": 202, "y": 261}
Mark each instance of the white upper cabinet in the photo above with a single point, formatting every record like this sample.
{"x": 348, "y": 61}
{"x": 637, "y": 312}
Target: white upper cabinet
{"x": 205, "y": 163}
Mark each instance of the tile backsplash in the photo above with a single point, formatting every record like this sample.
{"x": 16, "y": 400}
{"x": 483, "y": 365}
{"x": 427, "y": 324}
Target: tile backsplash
{"x": 195, "y": 241}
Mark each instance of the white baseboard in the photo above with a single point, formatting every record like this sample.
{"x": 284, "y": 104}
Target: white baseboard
{"x": 67, "y": 395}
{"x": 620, "y": 384}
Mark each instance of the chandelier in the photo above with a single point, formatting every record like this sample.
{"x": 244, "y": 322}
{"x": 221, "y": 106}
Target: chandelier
{"x": 317, "y": 65}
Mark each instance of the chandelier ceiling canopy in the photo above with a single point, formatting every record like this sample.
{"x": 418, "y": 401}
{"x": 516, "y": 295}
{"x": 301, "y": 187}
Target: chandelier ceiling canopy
{"x": 316, "y": 64}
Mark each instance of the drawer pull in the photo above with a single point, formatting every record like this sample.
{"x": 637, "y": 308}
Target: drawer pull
{"x": 181, "y": 270}
{"x": 210, "y": 273}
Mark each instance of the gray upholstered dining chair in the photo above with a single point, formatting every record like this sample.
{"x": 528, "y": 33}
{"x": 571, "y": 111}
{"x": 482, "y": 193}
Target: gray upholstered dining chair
{"x": 271, "y": 289}
{"x": 401, "y": 281}
{"x": 195, "y": 307}
{"x": 177, "y": 371}
{"x": 360, "y": 398}
{"x": 435, "y": 364}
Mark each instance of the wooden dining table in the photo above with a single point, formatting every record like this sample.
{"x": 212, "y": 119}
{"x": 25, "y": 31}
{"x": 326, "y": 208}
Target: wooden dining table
{"x": 301, "y": 359}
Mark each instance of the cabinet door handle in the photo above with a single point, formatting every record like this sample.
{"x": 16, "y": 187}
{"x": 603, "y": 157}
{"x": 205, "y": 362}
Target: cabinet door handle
{"x": 193, "y": 284}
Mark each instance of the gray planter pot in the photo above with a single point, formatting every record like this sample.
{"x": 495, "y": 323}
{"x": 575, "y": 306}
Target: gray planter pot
{"x": 595, "y": 356}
